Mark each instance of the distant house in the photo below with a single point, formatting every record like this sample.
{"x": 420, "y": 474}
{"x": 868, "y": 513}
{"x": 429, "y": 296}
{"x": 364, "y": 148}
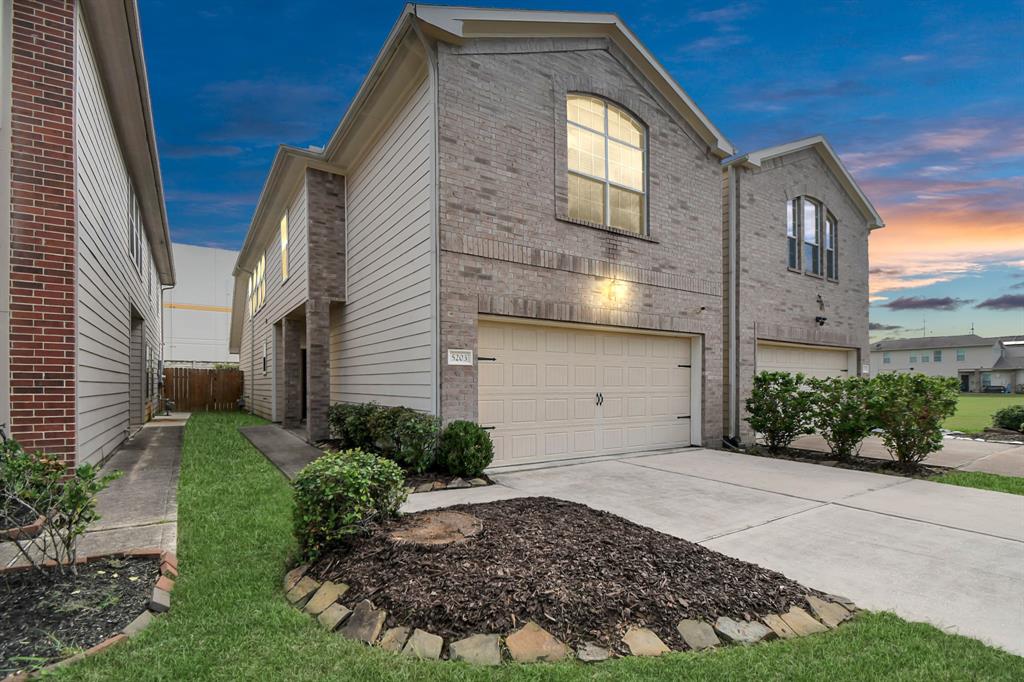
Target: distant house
{"x": 84, "y": 244}
{"x": 981, "y": 364}
{"x": 197, "y": 311}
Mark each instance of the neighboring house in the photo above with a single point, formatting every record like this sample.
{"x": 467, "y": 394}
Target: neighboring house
{"x": 796, "y": 226}
{"x": 197, "y": 311}
{"x": 519, "y": 222}
{"x": 981, "y": 364}
{"x": 87, "y": 249}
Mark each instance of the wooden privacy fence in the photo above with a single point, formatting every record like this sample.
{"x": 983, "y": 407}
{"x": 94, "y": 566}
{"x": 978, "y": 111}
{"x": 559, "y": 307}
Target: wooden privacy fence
{"x": 194, "y": 390}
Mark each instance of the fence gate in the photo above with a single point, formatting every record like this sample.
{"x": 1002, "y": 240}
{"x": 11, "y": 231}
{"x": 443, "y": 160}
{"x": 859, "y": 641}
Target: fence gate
{"x": 195, "y": 390}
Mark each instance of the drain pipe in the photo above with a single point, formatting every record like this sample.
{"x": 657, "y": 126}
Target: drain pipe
{"x": 733, "y": 430}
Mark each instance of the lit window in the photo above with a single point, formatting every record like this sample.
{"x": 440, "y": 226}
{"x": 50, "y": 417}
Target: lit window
{"x": 606, "y": 158}
{"x": 886, "y": 358}
{"x": 961, "y": 355}
{"x": 284, "y": 247}
{"x": 937, "y": 356}
{"x": 258, "y": 286}
{"x": 812, "y": 236}
{"x": 831, "y": 262}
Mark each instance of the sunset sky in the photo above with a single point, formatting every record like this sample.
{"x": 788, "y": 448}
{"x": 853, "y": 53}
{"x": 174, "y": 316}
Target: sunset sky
{"x": 923, "y": 101}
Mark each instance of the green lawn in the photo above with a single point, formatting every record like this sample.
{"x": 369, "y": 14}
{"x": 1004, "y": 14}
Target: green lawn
{"x": 978, "y": 479}
{"x": 229, "y": 620}
{"x": 974, "y": 411}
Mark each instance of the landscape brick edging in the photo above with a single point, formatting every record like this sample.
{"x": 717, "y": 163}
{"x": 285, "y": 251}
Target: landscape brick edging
{"x": 26, "y": 532}
{"x": 366, "y": 623}
{"x": 164, "y": 584}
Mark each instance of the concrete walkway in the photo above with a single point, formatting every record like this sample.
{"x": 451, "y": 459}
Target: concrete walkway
{"x": 947, "y": 555}
{"x": 288, "y": 452}
{"x": 140, "y": 508}
{"x": 957, "y": 453}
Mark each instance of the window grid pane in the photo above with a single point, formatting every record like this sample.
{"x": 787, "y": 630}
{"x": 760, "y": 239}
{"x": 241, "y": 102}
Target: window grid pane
{"x": 625, "y": 165}
{"x": 586, "y": 199}
{"x": 622, "y": 127}
{"x": 812, "y": 252}
{"x": 587, "y": 111}
{"x": 586, "y": 152}
{"x": 627, "y": 210}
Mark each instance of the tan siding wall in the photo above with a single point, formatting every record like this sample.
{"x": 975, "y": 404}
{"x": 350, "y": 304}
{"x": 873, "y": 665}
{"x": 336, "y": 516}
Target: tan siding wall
{"x": 381, "y": 346}
{"x": 283, "y": 296}
{"x": 108, "y": 281}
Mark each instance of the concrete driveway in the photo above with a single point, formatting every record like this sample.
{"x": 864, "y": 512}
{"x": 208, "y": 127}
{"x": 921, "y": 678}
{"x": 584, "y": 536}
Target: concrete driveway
{"x": 950, "y": 556}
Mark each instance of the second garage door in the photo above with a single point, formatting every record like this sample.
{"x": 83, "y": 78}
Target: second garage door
{"x": 819, "y": 362}
{"x": 560, "y": 392}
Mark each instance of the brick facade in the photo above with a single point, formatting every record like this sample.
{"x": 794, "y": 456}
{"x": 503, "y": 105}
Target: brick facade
{"x": 43, "y": 227}
{"x": 776, "y": 303}
{"x": 506, "y": 248}
{"x": 325, "y": 194}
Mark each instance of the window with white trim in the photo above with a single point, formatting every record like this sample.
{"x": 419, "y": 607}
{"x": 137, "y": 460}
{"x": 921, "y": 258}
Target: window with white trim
{"x": 812, "y": 238}
{"x": 913, "y": 358}
{"x": 607, "y": 161}
{"x": 937, "y": 356}
{"x": 924, "y": 357}
{"x": 284, "y": 247}
{"x": 811, "y": 220}
{"x": 793, "y": 232}
{"x": 258, "y": 286}
{"x": 831, "y": 262}
{"x": 134, "y": 230}
{"x": 887, "y": 358}
{"x": 961, "y": 355}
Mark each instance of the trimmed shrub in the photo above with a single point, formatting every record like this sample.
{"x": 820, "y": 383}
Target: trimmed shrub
{"x": 779, "y": 408}
{"x": 350, "y": 424}
{"x": 338, "y": 496}
{"x": 910, "y": 409}
{"x": 417, "y": 436}
{"x": 839, "y": 412}
{"x": 383, "y": 426}
{"x": 465, "y": 449}
{"x": 1011, "y": 417}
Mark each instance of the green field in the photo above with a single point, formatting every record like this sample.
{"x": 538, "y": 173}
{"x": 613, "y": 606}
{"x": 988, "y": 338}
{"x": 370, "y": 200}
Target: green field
{"x": 983, "y": 481}
{"x": 230, "y": 620}
{"x": 974, "y": 411}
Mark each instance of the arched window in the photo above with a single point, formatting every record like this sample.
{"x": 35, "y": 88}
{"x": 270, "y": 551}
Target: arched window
{"x": 607, "y": 151}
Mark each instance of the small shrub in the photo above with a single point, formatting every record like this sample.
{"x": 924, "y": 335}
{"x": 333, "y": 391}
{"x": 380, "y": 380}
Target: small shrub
{"x": 383, "y": 426}
{"x": 910, "y": 408}
{"x": 839, "y": 412}
{"x": 779, "y": 408}
{"x": 26, "y": 479}
{"x": 1011, "y": 417}
{"x": 350, "y": 424}
{"x": 465, "y": 449}
{"x": 417, "y": 437}
{"x": 338, "y": 495}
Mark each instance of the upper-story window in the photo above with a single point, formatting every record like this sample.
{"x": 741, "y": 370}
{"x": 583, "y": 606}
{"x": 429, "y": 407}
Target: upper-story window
{"x": 607, "y": 165}
{"x": 887, "y": 358}
{"x": 961, "y": 355}
{"x": 913, "y": 358}
{"x": 284, "y": 247}
{"x": 937, "y": 356}
{"x": 812, "y": 238}
{"x": 258, "y": 286}
{"x": 135, "y": 240}
{"x": 924, "y": 357}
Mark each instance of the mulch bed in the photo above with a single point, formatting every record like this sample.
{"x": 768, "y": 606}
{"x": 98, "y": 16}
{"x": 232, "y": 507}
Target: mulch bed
{"x": 583, "y": 575}
{"x": 47, "y": 617}
{"x": 870, "y": 464}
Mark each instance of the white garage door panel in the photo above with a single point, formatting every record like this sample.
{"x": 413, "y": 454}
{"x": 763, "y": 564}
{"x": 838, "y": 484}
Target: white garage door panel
{"x": 539, "y": 392}
{"x": 814, "y": 362}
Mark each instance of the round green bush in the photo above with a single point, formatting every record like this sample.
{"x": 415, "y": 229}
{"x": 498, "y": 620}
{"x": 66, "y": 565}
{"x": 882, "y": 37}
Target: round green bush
{"x": 351, "y": 424}
{"x": 1011, "y": 417}
{"x": 465, "y": 449}
{"x": 416, "y": 437}
{"x": 339, "y": 494}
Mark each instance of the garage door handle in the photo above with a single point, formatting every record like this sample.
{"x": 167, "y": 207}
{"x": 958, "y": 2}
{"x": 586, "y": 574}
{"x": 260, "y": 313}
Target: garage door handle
{"x": 598, "y": 399}
{"x": 487, "y": 428}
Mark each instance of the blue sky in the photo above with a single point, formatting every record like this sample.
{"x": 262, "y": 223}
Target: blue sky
{"x": 923, "y": 101}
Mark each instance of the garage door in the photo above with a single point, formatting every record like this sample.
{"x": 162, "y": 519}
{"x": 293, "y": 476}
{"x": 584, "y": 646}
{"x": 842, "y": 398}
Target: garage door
{"x": 560, "y": 392}
{"x": 816, "y": 362}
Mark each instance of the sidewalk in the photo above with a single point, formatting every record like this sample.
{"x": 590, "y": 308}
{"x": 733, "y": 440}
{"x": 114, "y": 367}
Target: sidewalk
{"x": 1006, "y": 459}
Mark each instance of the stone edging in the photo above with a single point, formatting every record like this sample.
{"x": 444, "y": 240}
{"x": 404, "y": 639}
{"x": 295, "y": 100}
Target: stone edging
{"x": 365, "y": 623}
{"x": 159, "y": 602}
{"x": 453, "y": 484}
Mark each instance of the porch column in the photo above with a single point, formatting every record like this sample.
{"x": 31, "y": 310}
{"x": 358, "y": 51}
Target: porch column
{"x": 292, "y": 376}
{"x": 318, "y": 368}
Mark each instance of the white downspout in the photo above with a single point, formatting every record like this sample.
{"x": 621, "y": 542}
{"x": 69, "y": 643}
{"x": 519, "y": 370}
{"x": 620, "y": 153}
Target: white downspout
{"x": 432, "y": 69}
{"x": 734, "y": 346}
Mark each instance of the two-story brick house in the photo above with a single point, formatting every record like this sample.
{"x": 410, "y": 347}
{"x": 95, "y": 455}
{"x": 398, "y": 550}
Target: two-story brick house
{"x": 84, "y": 247}
{"x": 518, "y": 221}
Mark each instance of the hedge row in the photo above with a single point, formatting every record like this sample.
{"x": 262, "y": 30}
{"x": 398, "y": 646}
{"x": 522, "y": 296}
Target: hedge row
{"x": 907, "y": 409}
